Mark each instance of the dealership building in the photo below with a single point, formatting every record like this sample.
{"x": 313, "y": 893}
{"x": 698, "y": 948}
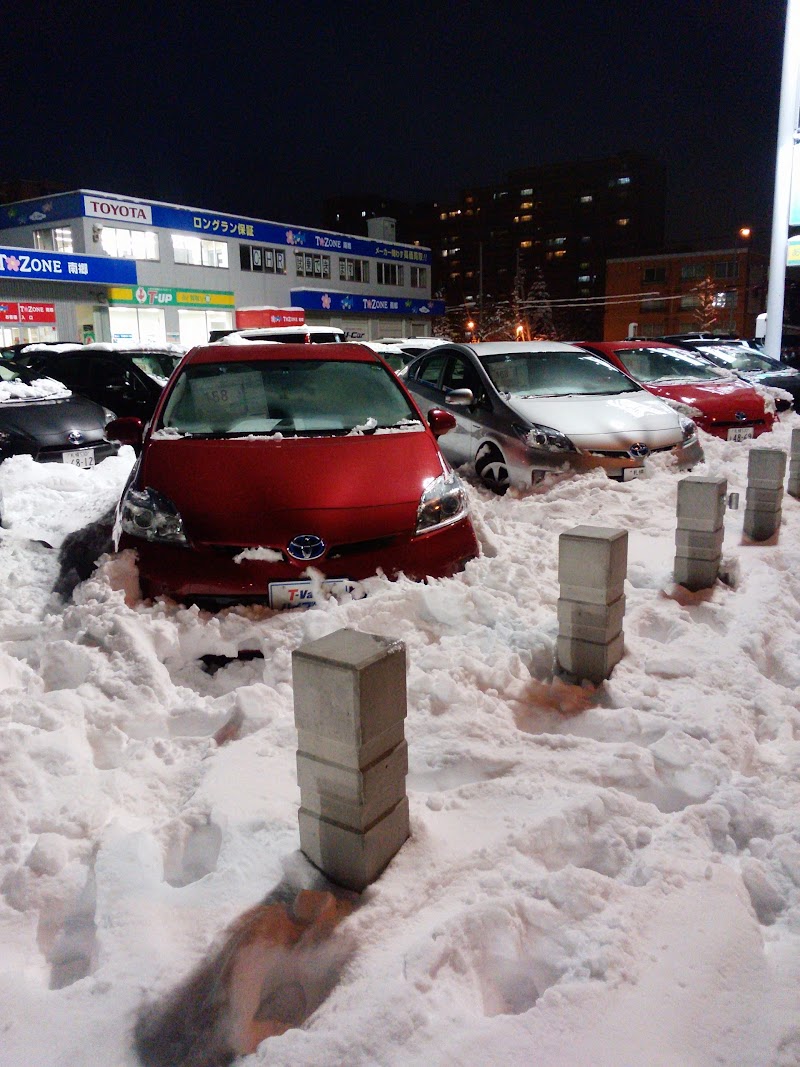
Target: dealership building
{"x": 91, "y": 266}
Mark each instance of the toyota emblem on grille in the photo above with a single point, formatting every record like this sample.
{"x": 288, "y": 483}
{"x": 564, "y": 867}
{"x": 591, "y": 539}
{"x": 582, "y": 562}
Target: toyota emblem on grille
{"x": 741, "y": 416}
{"x": 306, "y": 546}
{"x": 75, "y": 436}
{"x": 638, "y": 451}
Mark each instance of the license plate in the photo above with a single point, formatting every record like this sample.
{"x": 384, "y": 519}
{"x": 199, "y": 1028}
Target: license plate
{"x": 80, "y": 457}
{"x": 740, "y": 433}
{"x": 629, "y": 473}
{"x": 301, "y": 594}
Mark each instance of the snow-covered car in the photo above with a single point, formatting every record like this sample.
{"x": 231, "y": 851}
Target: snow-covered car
{"x": 127, "y": 378}
{"x": 751, "y": 365}
{"x": 523, "y": 410}
{"x": 290, "y": 335}
{"x": 41, "y": 418}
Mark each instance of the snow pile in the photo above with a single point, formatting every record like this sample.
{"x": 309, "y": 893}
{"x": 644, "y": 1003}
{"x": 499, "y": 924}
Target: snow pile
{"x": 598, "y": 876}
{"x": 40, "y": 389}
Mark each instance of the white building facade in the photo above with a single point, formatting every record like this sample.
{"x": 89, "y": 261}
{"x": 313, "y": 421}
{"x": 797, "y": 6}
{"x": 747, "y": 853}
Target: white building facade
{"x": 93, "y": 266}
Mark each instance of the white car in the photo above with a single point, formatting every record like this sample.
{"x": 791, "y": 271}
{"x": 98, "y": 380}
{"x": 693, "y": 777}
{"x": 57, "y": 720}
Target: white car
{"x": 526, "y": 409}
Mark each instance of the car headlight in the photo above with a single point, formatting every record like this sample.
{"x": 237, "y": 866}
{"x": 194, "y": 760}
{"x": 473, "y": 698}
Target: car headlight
{"x": 443, "y": 502}
{"x": 688, "y": 429}
{"x": 150, "y": 515}
{"x": 538, "y": 436}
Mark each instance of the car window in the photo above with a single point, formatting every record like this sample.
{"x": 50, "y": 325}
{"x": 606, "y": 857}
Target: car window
{"x": 291, "y": 397}
{"x": 736, "y": 357}
{"x": 74, "y": 371}
{"x": 157, "y": 365}
{"x": 555, "y": 373}
{"x": 459, "y": 374}
{"x": 650, "y": 365}
{"x": 430, "y": 369}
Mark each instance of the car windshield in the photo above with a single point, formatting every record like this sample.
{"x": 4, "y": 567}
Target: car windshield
{"x": 554, "y": 373}
{"x": 737, "y": 357}
{"x": 665, "y": 365}
{"x": 291, "y": 397}
{"x": 18, "y": 384}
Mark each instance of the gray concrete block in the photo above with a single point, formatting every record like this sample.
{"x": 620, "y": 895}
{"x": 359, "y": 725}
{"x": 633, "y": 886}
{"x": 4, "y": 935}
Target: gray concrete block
{"x": 794, "y": 448}
{"x": 690, "y": 541}
{"x": 700, "y": 554}
{"x": 589, "y": 660}
{"x": 761, "y": 525}
{"x": 592, "y": 563}
{"x": 764, "y": 499}
{"x": 766, "y": 468}
{"x": 696, "y": 574}
{"x": 591, "y": 622}
{"x": 354, "y": 858}
{"x": 352, "y": 797}
{"x": 793, "y": 485}
{"x": 701, "y": 503}
{"x": 349, "y": 696}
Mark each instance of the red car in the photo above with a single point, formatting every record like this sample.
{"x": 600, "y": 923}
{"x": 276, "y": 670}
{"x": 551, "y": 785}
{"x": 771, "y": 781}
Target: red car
{"x": 271, "y": 471}
{"x": 720, "y": 404}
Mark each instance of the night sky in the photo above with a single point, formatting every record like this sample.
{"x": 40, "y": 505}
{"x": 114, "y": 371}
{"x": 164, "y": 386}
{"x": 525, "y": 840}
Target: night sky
{"x": 265, "y": 109}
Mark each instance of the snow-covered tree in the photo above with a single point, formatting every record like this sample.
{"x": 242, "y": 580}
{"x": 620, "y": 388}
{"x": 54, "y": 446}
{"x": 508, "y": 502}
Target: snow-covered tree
{"x": 705, "y": 313}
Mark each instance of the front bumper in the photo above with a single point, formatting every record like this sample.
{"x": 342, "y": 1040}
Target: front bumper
{"x": 523, "y": 469}
{"x": 209, "y": 571}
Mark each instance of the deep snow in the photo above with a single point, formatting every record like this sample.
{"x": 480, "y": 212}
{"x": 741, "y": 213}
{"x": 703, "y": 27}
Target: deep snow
{"x": 599, "y": 876}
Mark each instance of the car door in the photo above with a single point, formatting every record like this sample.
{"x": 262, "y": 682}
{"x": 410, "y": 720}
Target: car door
{"x": 459, "y": 373}
{"x": 424, "y": 382}
{"x": 119, "y": 385}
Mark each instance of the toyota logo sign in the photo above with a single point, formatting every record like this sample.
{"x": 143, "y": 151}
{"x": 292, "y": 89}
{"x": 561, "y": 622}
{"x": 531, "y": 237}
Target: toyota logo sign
{"x": 305, "y": 547}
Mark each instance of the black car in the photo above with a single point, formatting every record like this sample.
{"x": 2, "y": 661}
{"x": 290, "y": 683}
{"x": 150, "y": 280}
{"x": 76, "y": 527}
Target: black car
{"x": 125, "y": 378}
{"x": 735, "y": 355}
{"x": 42, "y": 419}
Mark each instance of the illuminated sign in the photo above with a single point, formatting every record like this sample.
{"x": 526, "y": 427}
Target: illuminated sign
{"x": 23, "y": 264}
{"x": 326, "y": 300}
{"x": 15, "y": 312}
{"x": 103, "y": 207}
{"x": 160, "y": 296}
{"x": 268, "y": 316}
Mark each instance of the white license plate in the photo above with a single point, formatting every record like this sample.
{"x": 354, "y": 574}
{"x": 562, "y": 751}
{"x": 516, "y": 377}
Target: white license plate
{"x": 81, "y": 457}
{"x": 629, "y": 473}
{"x": 301, "y": 594}
{"x": 740, "y": 433}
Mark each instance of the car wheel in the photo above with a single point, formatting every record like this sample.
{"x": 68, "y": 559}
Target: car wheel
{"x": 492, "y": 470}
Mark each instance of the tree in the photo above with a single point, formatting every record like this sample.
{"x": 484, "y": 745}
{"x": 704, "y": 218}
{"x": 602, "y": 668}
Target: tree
{"x": 537, "y": 317}
{"x": 705, "y": 313}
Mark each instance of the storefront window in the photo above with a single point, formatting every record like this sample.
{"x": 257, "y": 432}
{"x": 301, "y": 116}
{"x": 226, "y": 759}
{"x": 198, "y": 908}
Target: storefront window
{"x": 195, "y": 326}
{"x": 137, "y": 324}
{"x": 198, "y": 252}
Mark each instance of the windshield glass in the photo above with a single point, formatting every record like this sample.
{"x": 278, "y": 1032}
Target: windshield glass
{"x": 18, "y": 384}
{"x": 527, "y": 374}
{"x": 737, "y": 357}
{"x": 291, "y": 397}
{"x": 665, "y": 364}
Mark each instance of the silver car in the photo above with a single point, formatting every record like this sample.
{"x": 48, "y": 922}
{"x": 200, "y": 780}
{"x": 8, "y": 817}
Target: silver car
{"x": 525, "y": 409}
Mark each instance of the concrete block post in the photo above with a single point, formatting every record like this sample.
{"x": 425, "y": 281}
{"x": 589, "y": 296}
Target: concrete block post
{"x": 766, "y": 469}
{"x": 700, "y": 531}
{"x": 349, "y": 708}
{"x": 592, "y": 564}
{"x": 793, "y": 488}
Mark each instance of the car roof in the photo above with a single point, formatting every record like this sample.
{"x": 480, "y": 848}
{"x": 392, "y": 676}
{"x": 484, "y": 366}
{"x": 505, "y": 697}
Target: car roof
{"x": 629, "y": 344}
{"x": 496, "y": 348}
{"x": 214, "y": 352}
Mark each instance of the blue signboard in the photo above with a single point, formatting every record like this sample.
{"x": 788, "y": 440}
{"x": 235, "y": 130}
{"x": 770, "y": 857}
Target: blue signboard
{"x": 25, "y": 264}
{"x": 111, "y": 209}
{"x": 325, "y": 300}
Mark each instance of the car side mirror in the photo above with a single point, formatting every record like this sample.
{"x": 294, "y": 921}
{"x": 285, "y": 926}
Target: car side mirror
{"x": 460, "y": 398}
{"x": 128, "y": 431}
{"x": 441, "y": 422}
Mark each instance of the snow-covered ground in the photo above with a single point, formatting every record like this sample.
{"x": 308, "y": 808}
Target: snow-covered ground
{"x": 601, "y": 876}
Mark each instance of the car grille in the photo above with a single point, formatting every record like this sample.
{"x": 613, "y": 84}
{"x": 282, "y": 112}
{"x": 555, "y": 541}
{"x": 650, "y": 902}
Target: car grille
{"x": 354, "y": 548}
{"x": 624, "y": 454}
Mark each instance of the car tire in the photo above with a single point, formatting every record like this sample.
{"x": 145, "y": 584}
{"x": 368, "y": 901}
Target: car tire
{"x": 492, "y": 469}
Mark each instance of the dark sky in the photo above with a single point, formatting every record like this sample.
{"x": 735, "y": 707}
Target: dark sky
{"x": 264, "y": 109}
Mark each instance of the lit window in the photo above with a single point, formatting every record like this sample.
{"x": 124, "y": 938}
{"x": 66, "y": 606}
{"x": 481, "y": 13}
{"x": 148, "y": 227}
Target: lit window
{"x": 122, "y": 243}
{"x": 526, "y": 244}
{"x": 623, "y": 222}
{"x": 584, "y": 277}
{"x": 526, "y": 204}
{"x": 527, "y": 218}
{"x": 443, "y": 215}
{"x": 560, "y": 252}
{"x": 197, "y": 252}
{"x": 587, "y": 199}
{"x": 526, "y": 192}
{"x": 56, "y": 240}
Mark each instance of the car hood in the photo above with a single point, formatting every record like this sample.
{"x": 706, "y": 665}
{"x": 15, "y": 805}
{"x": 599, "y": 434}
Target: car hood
{"x": 633, "y": 415}
{"x": 264, "y": 491}
{"x": 49, "y": 422}
{"x": 777, "y": 379}
{"x": 718, "y": 400}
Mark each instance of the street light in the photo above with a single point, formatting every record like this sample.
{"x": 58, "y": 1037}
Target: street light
{"x": 744, "y": 235}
